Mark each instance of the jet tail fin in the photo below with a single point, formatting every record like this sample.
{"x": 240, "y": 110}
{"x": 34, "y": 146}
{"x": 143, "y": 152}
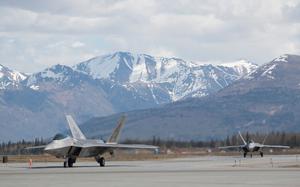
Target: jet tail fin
{"x": 265, "y": 139}
{"x": 116, "y": 133}
{"x": 242, "y": 138}
{"x": 76, "y": 132}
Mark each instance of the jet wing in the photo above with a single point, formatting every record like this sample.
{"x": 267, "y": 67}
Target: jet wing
{"x": 275, "y": 146}
{"x": 117, "y": 146}
{"x": 36, "y": 147}
{"x": 231, "y": 147}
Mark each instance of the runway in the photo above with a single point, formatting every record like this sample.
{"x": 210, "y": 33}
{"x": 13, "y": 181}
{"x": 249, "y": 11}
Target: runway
{"x": 211, "y": 171}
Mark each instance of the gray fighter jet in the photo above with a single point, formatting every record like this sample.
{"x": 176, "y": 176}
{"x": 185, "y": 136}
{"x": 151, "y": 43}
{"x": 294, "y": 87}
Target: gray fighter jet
{"x": 251, "y": 146}
{"x": 70, "y": 148}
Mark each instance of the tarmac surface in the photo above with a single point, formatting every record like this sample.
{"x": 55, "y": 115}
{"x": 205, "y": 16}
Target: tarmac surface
{"x": 209, "y": 171}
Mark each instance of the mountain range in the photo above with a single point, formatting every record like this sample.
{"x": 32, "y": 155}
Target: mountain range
{"x": 267, "y": 99}
{"x": 34, "y": 105}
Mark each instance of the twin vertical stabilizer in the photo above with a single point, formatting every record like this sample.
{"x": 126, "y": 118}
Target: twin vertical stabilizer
{"x": 242, "y": 138}
{"x": 116, "y": 133}
{"x": 76, "y": 132}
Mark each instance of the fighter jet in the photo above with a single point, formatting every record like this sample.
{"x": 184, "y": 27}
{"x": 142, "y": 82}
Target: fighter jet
{"x": 70, "y": 148}
{"x": 251, "y": 147}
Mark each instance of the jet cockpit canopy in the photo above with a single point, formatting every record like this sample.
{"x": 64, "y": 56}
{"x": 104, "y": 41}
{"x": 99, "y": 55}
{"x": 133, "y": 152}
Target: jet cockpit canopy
{"x": 60, "y": 136}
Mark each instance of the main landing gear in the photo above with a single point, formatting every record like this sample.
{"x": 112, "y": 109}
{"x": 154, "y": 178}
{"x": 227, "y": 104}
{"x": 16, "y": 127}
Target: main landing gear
{"x": 100, "y": 160}
{"x": 69, "y": 162}
{"x": 245, "y": 154}
{"x": 261, "y": 154}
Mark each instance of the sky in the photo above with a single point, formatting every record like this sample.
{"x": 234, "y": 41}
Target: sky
{"x": 36, "y": 34}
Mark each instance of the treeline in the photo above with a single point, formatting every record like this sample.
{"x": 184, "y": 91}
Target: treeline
{"x": 18, "y": 148}
{"x": 275, "y": 138}
{"x": 171, "y": 143}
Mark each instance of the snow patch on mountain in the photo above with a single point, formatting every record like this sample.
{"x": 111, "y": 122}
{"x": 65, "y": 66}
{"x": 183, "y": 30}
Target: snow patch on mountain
{"x": 242, "y": 67}
{"x": 99, "y": 67}
{"x": 52, "y": 75}
{"x": 268, "y": 72}
{"x": 34, "y": 87}
{"x": 282, "y": 58}
{"x": 60, "y": 74}
{"x": 138, "y": 69}
{"x": 177, "y": 77}
{"x": 10, "y": 78}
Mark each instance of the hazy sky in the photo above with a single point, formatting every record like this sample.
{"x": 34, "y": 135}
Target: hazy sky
{"x": 37, "y": 34}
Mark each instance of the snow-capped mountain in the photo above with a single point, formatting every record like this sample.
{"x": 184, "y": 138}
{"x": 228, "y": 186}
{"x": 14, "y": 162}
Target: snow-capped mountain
{"x": 10, "y": 78}
{"x": 265, "y": 100}
{"x": 282, "y": 70}
{"x": 59, "y": 75}
{"x": 269, "y": 71}
{"x": 104, "y": 85}
{"x": 178, "y": 78}
{"x": 157, "y": 79}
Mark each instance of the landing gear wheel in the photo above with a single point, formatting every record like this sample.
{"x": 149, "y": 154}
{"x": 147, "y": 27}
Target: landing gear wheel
{"x": 251, "y": 155}
{"x": 245, "y": 154}
{"x": 261, "y": 154}
{"x": 70, "y": 162}
{"x": 102, "y": 162}
{"x": 65, "y": 164}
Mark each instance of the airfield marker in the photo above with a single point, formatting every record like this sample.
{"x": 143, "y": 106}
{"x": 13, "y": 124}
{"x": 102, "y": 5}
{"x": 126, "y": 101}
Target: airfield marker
{"x": 271, "y": 162}
{"x": 30, "y": 163}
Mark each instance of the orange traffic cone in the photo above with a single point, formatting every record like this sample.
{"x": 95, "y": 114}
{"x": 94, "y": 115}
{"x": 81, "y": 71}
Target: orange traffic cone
{"x": 30, "y": 163}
